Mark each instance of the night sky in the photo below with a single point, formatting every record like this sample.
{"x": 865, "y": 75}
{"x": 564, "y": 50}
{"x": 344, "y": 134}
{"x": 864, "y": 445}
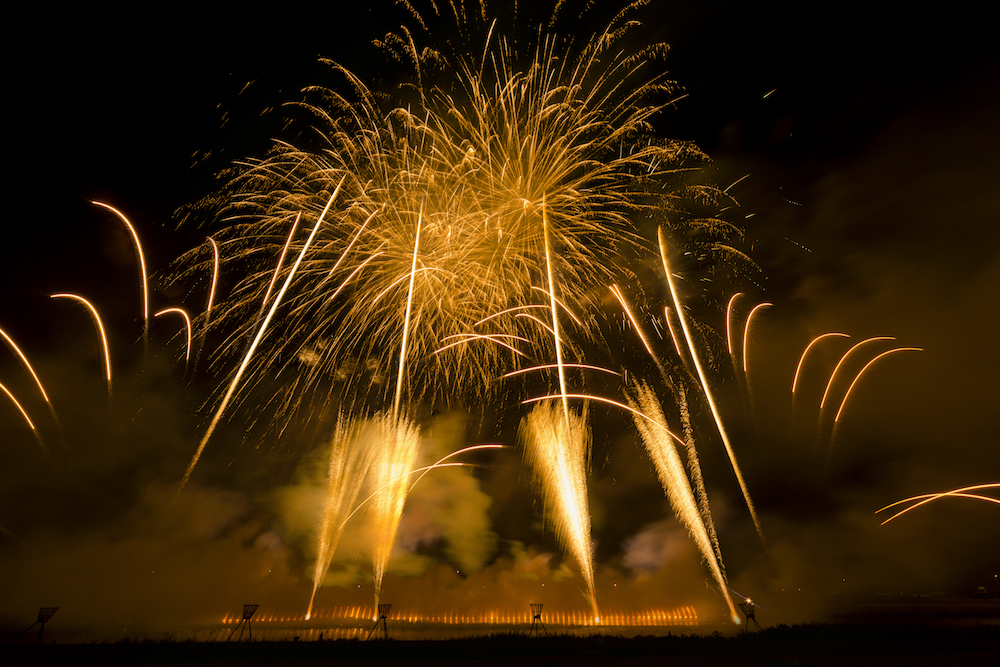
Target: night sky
{"x": 873, "y": 152}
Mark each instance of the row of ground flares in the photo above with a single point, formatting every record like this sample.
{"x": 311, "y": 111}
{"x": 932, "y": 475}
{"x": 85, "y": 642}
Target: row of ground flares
{"x": 685, "y": 615}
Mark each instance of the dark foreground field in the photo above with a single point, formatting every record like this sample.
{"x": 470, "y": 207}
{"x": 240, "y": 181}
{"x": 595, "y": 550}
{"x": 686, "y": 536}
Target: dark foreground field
{"x": 849, "y": 645}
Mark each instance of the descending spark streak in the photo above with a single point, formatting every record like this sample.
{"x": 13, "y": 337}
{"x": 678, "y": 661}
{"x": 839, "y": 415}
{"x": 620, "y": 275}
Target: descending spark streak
{"x": 260, "y": 334}
{"x": 840, "y": 363}
{"x": 858, "y": 376}
{"x": 215, "y": 280}
{"x": 930, "y": 497}
{"x": 704, "y": 384}
{"x": 746, "y": 336}
{"x": 673, "y": 334}
{"x": 678, "y": 489}
{"x": 729, "y": 324}
{"x": 100, "y": 331}
{"x": 38, "y": 436}
{"x": 798, "y": 369}
{"x": 642, "y": 336}
{"x": 27, "y": 365}
{"x": 555, "y": 315}
{"x": 187, "y": 325}
{"x": 142, "y": 266}
{"x": 406, "y": 317}
{"x": 281, "y": 261}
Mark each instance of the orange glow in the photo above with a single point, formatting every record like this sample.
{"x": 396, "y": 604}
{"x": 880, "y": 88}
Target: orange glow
{"x": 746, "y": 334}
{"x": 729, "y": 322}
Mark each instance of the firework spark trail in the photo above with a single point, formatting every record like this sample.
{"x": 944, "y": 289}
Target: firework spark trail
{"x": 857, "y": 377}
{"x": 215, "y": 281}
{"x": 100, "y": 332}
{"x": 673, "y": 334}
{"x": 27, "y": 365}
{"x": 38, "y": 436}
{"x": 642, "y": 336}
{"x": 694, "y": 466}
{"x": 260, "y": 334}
{"x": 555, "y": 323}
{"x": 930, "y": 497}
{"x": 729, "y": 326}
{"x": 406, "y": 317}
{"x": 746, "y": 338}
{"x": 840, "y": 363}
{"x": 675, "y": 484}
{"x": 705, "y": 386}
{"x": 142, "y": 268}
{"x": 802, "y": 359}
{"x": 187, "y": 326}
{"x": 557, "y": 448}
{"x": 545, "y": 367}
{"x": 395, "y": 452}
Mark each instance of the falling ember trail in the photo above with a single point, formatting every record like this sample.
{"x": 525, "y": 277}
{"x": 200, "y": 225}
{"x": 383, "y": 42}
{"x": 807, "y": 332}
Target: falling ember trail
{"x": 260, "y": 334}
{"x": 142, "y": 269}
{"x": 187, "y": 325}
{"x": 100, "y": 332}
{"x": 27, "y": 365}
{"x": 406, "y": 319}
{"x": 930, "y": 497}
{"x": 38, "y": 436}
{"x": 705, "y": 387}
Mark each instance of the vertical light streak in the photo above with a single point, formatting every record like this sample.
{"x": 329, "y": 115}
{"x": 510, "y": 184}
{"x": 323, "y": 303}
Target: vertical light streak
{"x": 705, "y": 386}
{"x": 27, "y": 365}
{"x": 858, "y": 376}
{"x": 729, "y": 324}
{"x": 673, "y": 334}
{"x": 555, "y": 313}
{"x": 38, "y": 436}
{"x": 638, "y": 329}
{"x": 215, "y": 280}
{"x": 100, "y": 332}
{"x": 187, "y": 324}
{"x": 406, "y": 318}
{"x": 142, "y": 267}
{"x": 798, "y": 369}
{"x": 281, "y": 261}
{"x": 840, "y": 363}
{"x": 260, "y": 334}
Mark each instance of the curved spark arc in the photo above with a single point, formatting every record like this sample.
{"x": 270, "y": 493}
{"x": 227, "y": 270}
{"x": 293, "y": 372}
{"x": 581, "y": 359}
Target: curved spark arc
{"x": 100, "y": 331}
{"x": 705, "y": 386}
{"x": 746, "y": 337}
{"x": 253, "y": 346}
{"x": 522, "y": 371}
{"x": 729, "y": 324}
{"x": 34, "y": 431}
{"x": 24, "y": 360}
{"x": 142, "y": 267}
{"x": 187, "y": 325}
{"x": 858, "y": 376}
{"x": 840, "y": 363}
{"x": 798, "y": 368}
{"x": 930, "y": 497}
